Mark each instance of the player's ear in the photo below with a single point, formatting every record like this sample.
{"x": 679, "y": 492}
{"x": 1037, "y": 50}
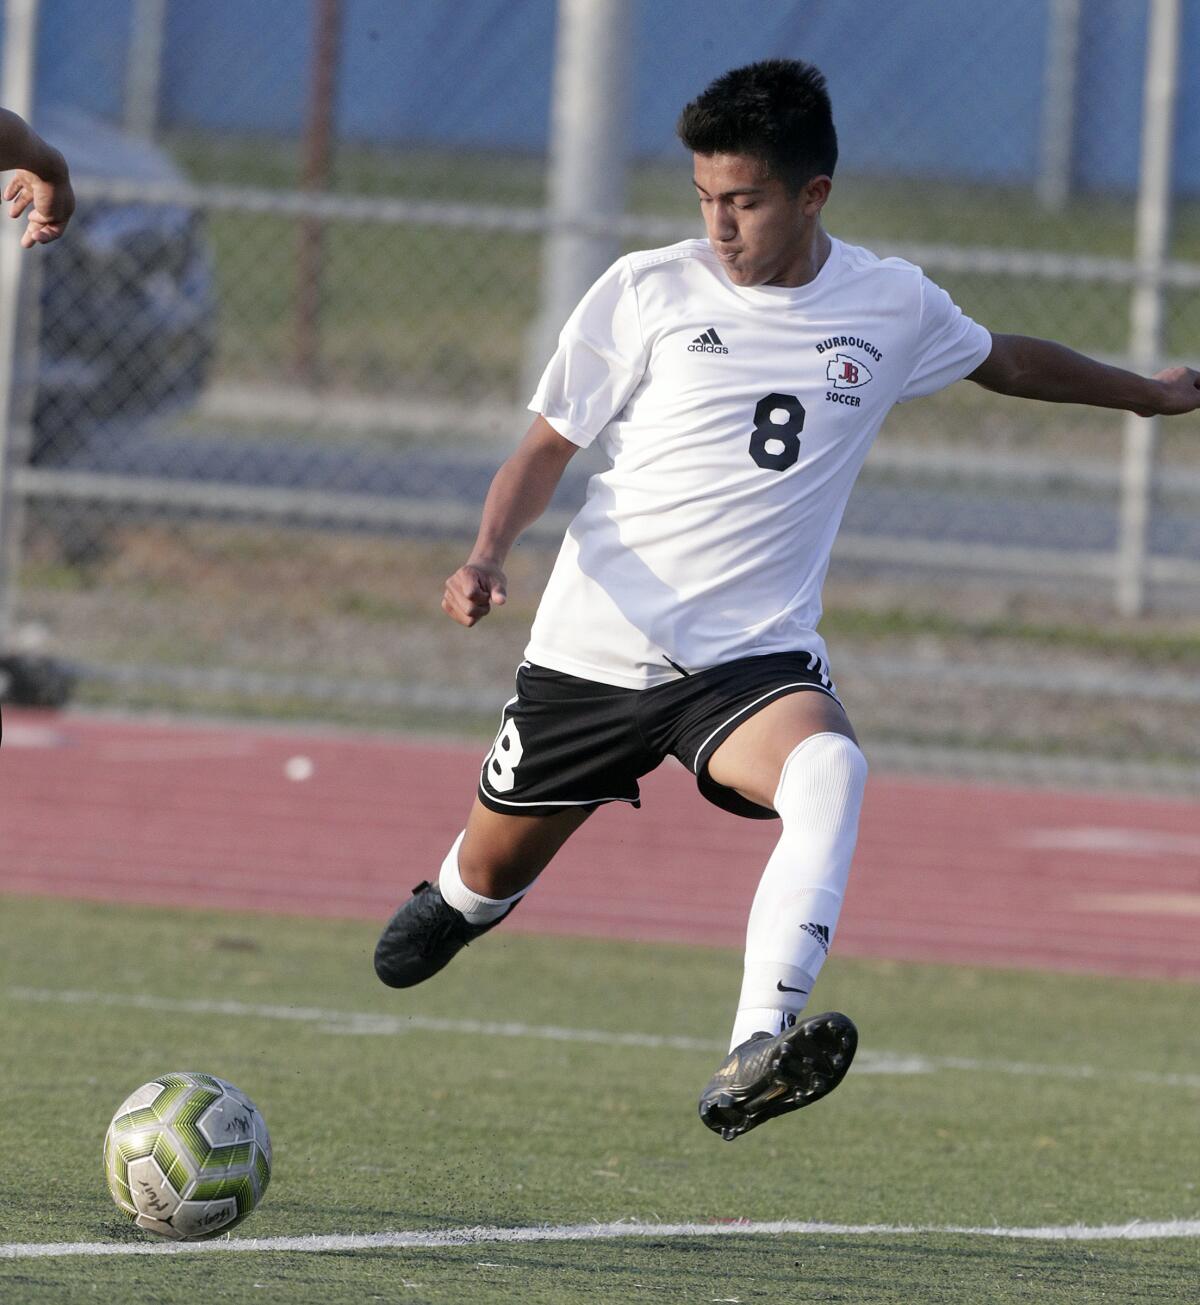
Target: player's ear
{"x": 814, "y": 195}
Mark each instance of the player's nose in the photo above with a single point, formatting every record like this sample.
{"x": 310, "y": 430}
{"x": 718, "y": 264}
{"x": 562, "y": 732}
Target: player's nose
{"x": 721, "y": 224}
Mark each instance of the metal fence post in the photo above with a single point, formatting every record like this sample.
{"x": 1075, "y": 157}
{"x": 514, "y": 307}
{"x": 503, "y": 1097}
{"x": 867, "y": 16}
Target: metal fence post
{"x": 1147, "y": 301}
{"x": 586, "y": 185}
{"x": 1058, "y": 104}
{"x": 143, "y": 66}
{"x": 16, "y": 93}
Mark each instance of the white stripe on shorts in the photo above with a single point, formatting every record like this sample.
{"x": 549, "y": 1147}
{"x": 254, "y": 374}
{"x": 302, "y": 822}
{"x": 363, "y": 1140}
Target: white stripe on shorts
{"x": 772, "y": 693}
{"x": 587, "y": 802}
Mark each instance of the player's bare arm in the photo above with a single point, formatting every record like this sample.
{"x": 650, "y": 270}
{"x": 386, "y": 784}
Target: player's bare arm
{"x": 41, "y": 185}
{"x": 520, "y": 492}
{"x": 1027, "y": 368}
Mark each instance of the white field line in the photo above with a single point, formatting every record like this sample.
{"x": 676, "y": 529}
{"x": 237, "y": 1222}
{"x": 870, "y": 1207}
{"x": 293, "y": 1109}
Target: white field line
{"x": 1135, "y": 1230}
{"x": 363, "y": 1023}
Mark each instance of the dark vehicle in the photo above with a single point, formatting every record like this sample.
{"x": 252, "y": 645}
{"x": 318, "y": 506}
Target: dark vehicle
{"x": 128, "y": 306}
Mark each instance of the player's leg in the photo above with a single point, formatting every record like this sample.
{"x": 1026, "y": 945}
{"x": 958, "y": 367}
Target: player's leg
{"x": 487, "y": 871}
{"x": 797, "y": 756}
{"x": 499, "y": 856}
{"x": 565, "y": 746}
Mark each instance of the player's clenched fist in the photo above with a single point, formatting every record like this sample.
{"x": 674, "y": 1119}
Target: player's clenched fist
{"x": 1179, "y": 393}
{"x": 472, "y": 591}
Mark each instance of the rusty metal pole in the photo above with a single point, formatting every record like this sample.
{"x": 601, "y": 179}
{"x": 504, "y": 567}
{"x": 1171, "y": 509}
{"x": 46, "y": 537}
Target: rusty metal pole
{"x": 318, "y": 153}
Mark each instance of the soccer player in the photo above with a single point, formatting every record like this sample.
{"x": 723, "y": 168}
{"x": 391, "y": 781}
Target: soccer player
{"x": 42, "y": 184}
{"x": 735, "y": 385}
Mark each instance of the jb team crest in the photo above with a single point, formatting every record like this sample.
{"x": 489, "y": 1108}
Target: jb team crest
{"x": 846, "y": 371}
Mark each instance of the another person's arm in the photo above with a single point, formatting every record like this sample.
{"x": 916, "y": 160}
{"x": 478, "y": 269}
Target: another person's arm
{"x": 1041, "y": 369}
{"x": 519, "y": 494}
{"x": 42, "y": 183}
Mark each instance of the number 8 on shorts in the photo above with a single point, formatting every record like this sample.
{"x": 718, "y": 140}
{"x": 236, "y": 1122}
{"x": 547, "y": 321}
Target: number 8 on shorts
{"x": 504, "y": 758}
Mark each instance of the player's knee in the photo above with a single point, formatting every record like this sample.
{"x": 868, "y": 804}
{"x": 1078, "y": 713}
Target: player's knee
{"x": 851, "y": 757}
{"x": 830, "y": 765}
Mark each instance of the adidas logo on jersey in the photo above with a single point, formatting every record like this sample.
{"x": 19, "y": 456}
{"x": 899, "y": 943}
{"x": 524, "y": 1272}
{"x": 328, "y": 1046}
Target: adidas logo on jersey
{"x": 709, "y": 342}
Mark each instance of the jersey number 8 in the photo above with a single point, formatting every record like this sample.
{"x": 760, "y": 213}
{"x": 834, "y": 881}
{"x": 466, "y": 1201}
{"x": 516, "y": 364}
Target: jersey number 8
{"x": 778, "y": 421}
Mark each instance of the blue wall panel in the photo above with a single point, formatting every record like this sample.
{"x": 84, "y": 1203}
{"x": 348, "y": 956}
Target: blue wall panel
{"x": 463, "y": 74}
{"x": 81, "y": 54}
{"x": 236, "y": 66}
{"x": 1109, "y": 104}
{"x": 1187, "y": 136}
{"x": 952, "y": 89}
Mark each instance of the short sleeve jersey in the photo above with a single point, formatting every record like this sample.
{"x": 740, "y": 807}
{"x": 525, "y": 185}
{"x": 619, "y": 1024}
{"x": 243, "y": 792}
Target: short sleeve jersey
{"x": 734, "y": 421}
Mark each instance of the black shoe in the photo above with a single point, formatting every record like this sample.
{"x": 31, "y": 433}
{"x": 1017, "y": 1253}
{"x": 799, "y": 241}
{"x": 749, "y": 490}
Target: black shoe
{"x": 767, "y": 1076}
{"x": 423, "y": 937}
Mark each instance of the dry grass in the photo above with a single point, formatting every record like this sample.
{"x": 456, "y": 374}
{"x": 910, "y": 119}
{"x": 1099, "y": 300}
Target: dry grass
{"x": 364, "y": 609}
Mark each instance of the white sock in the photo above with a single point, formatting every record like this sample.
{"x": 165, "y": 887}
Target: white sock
{"x": 475, "y": 908}
{"x": 799, "y": 898}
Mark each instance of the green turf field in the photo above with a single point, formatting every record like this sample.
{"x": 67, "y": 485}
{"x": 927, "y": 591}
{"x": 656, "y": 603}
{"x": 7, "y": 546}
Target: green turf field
{"x": 980, "y": 1099}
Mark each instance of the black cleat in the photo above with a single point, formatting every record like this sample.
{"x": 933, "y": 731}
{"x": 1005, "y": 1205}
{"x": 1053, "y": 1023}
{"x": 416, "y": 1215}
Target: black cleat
{"x": 767, "y": 1076}
{"x": 424, "y": 936}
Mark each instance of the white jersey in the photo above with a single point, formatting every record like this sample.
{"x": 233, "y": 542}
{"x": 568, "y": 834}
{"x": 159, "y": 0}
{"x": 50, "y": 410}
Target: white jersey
{"x": 735, "y": 420}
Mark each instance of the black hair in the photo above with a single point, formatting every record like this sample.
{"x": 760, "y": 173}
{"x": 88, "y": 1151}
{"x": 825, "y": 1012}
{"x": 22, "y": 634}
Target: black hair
{"x": 777, "y": 111}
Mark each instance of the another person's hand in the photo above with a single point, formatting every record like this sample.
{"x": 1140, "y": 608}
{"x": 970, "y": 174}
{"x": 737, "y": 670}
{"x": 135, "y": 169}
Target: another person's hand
{"x": 473, "y": 590}
{"x": 49, "y": 202}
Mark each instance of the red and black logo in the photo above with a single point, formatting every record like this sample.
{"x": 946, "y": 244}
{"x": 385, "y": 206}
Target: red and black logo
{"x": 846, "y": 373}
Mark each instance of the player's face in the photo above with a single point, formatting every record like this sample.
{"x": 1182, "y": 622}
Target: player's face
{"x": 762, "y": 233}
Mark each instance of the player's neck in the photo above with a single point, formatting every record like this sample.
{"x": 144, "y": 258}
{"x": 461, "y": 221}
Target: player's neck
{"x": 811, "y": 252}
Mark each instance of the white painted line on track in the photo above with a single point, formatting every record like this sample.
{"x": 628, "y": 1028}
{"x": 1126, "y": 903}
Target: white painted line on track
{"x": 20, "y": 735}
{"x": 1135, "y": 1230}
{"x": 1109, "y": 840}
{"x": 363, "y": 1023}
{"x": 170, "y": 748}
{"x": 1174, "y": 904}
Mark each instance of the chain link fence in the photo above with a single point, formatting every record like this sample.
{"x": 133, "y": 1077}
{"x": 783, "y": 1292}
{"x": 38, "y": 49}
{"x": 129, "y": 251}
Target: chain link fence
{"x": 259, "y": 390}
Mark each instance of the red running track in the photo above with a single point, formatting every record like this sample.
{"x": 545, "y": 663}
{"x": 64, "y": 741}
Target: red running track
{"x": 183, "y": 814}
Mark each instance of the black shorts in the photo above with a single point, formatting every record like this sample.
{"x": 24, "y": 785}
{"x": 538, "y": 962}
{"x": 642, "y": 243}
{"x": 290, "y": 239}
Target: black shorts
{"x": 567, "y": 742}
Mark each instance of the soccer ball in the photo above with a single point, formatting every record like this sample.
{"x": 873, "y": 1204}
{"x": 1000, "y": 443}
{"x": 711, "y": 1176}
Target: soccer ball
{"x": 187, "y": 1156}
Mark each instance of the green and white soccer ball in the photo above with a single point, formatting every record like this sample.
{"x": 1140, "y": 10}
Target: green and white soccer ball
{"x": 187, "y": 1156}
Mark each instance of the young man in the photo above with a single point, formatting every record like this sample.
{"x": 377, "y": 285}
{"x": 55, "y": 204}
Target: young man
{"x": 736, "y": 385}
{"x": 42, "y": 184}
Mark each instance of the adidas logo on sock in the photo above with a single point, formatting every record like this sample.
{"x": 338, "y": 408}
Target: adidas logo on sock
{"x": 818, "y": 931}
{"x": 709, "y": 342}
